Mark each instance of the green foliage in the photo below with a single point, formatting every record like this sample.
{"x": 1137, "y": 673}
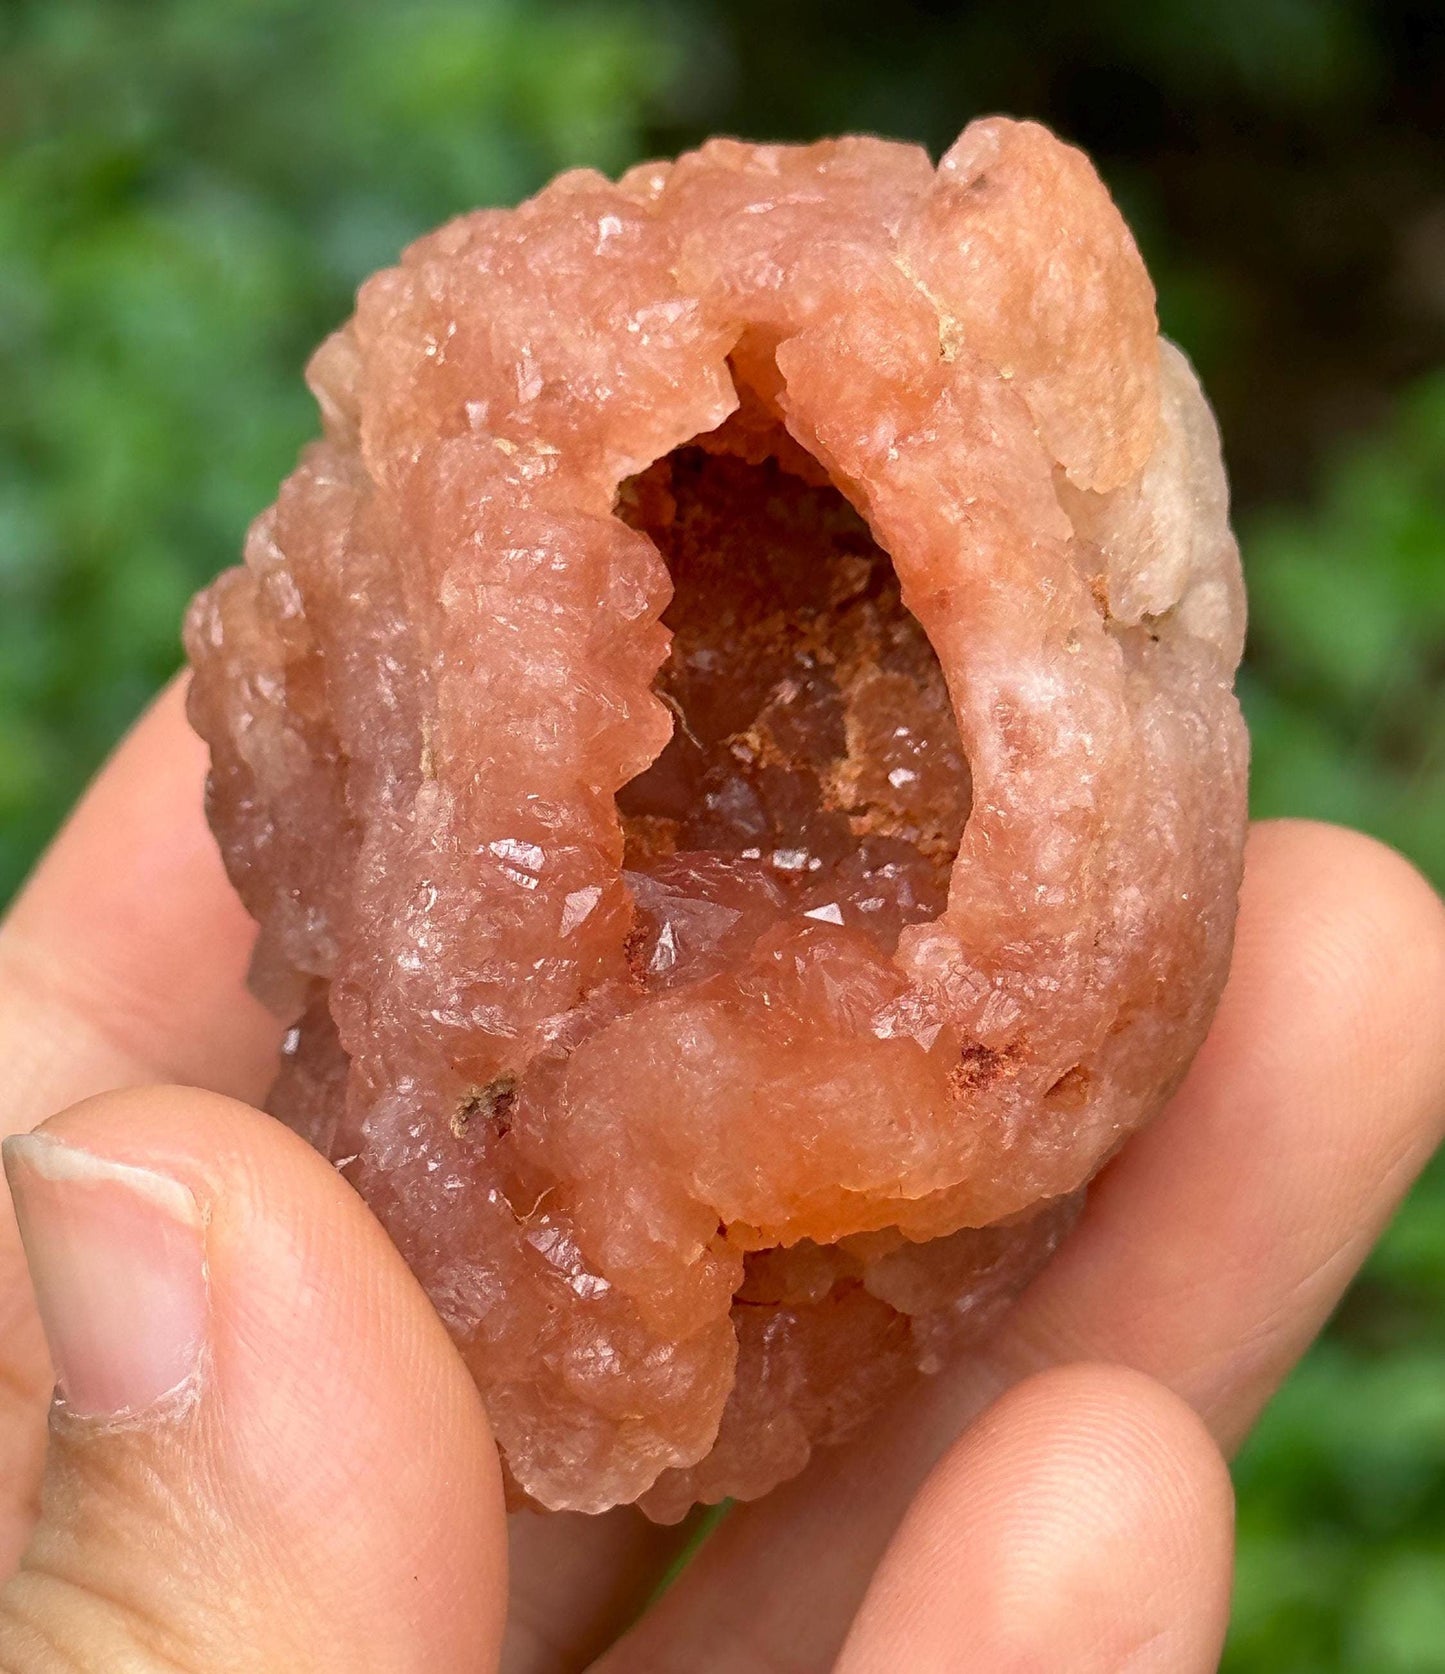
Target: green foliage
{"x": 1345, "y": 688}
{"x": 1342, "y": 1486}
{"x": 185, "y": 208}
{"x": 190, "y": 191}
{"x": 1291, "y": 51}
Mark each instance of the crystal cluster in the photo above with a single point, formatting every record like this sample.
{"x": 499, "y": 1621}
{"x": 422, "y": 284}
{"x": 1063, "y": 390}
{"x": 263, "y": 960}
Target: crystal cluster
{"x": 730, "y": 744}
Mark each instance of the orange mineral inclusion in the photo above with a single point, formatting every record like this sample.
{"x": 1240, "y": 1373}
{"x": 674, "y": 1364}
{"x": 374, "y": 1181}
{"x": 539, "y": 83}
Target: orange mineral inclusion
{"x": 729, "y": 739}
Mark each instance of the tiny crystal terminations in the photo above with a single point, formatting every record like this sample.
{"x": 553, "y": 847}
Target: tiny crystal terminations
{"x": 729, "y": 739}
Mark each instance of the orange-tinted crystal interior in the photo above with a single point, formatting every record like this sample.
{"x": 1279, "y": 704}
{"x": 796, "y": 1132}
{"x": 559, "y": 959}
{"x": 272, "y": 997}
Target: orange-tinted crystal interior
{"x": 815, "y": 765}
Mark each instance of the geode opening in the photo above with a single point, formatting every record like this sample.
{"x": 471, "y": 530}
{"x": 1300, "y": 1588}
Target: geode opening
{"x": 725, "y": 1035}
{"x": 814, "y": 767}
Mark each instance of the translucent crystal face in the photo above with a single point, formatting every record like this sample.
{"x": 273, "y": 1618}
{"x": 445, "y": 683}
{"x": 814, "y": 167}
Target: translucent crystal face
{"x": 815, "y": 767}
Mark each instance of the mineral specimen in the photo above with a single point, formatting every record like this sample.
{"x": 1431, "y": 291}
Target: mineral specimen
{"x": 729, "y": 741}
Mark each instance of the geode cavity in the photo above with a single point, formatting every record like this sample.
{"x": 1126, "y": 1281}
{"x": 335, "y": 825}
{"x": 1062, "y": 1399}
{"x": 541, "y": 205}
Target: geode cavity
{"x": 729, "y": 741}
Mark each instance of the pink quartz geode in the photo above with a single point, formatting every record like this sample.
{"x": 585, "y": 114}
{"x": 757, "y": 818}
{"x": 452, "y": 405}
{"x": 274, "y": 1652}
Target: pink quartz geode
{"x": 729, "y": 740}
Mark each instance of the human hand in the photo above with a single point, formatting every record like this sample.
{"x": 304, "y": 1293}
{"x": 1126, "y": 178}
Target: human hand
{"x": 269, "y": 1457}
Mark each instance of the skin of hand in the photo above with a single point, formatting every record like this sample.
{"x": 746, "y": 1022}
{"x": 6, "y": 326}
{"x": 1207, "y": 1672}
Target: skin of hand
{"x": 266, "y": 1456}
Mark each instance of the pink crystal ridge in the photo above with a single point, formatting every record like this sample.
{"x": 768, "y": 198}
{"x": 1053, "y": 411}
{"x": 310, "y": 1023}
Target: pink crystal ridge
{"x": 729, "y": 740}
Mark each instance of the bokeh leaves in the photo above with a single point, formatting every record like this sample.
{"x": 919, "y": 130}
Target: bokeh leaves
{"x": 188, "y": 197}
{"x": 1345, "y": 687}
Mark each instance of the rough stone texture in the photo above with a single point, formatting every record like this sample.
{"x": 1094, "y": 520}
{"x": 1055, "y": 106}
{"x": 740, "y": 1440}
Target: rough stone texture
{"x": 726, "y": 1032}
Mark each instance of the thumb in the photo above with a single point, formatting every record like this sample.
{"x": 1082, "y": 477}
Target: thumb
{"x": 264, "y": 1453}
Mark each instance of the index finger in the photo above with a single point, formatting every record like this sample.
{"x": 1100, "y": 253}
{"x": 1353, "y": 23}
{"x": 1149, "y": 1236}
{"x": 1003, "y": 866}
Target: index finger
{"x": 124, "y": 957}
{"x": 122, "y": 961}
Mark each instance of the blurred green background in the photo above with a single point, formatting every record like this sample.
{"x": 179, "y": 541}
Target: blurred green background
{"x": 190, "y": 191}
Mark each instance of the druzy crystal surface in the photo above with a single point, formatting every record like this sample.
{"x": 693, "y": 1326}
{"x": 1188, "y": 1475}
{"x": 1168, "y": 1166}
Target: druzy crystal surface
{"x": 730, "y": 744}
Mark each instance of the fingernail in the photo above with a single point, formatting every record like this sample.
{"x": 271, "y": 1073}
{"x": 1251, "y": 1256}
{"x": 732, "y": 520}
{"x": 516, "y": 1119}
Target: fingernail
{"x": 118, "y": 1260}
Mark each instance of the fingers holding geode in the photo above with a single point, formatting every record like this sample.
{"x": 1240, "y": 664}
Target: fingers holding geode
{"x": 1085, "y": 1511}
{"x": 124, "y": 957}
{"x": 1215, "y": 1246}
{"x": 1210, "y": 1251}
{"x": 577, "y": 1582}
{"x": 1084, "y": 1522}
{"x": 266, "y": 1454}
